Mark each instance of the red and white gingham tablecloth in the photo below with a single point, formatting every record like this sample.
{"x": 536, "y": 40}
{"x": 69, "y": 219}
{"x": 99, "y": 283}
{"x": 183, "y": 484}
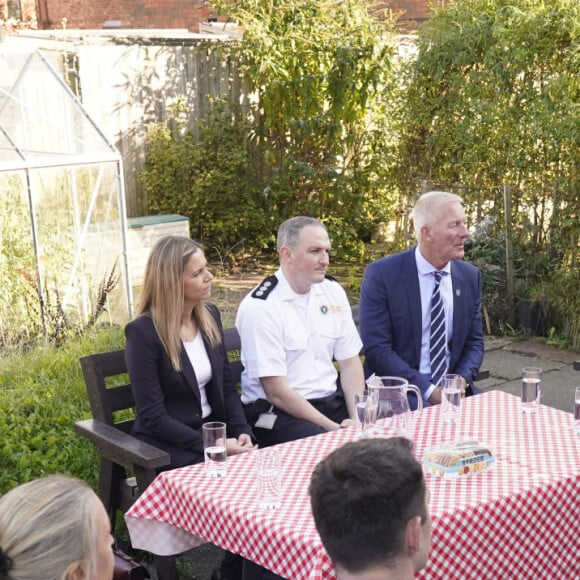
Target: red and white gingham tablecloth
{"x": 519, "y": 520}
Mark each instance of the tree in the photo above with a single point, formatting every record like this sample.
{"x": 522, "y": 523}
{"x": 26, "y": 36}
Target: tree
{"x": 493, "y": 99}
{"x": 322, "y": 74}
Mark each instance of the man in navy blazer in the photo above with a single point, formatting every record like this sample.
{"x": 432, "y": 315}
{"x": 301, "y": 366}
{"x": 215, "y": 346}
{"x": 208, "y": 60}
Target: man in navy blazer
{"x": 395, "y": 301}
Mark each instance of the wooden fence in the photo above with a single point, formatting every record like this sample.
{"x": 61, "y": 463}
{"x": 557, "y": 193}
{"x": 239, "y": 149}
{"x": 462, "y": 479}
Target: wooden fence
{"x": 127, "y": 83}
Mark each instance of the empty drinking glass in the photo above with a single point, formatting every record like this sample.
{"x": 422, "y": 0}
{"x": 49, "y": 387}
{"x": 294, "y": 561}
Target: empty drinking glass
{"x": 366, "y": 412}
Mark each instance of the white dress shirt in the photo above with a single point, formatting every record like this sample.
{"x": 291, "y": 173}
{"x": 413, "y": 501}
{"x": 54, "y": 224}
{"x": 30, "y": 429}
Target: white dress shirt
{"x": 426, "y": 286}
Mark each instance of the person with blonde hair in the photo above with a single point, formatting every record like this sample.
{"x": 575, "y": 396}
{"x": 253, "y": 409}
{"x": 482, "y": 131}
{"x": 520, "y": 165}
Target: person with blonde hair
{"x": 54, "y": 528}
{"x": 176, "y": 358}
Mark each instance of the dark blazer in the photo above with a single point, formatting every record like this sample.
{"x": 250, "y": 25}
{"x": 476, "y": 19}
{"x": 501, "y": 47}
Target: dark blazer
{"x": 390, "y": 319}
{"x": 168, "y": 402}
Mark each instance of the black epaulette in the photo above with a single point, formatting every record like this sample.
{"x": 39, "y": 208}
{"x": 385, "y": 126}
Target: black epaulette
{"x": 330, "y": 278}
{"x": 266, "y": 286}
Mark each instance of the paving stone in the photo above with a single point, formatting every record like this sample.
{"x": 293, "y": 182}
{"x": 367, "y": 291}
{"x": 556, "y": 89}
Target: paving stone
{"x": 542, "y": 350}
{"x": 496, "y": 342}
{"x": 508, "y": 365}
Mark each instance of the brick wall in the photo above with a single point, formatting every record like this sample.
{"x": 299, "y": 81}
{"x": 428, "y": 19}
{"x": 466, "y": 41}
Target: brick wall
{"x": 413, "y": 12}
{"x": 17, "y": 14}
{"x": 86, "y": 14}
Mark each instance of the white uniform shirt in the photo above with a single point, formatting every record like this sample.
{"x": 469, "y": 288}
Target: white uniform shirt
{"x": 296, "y": 336}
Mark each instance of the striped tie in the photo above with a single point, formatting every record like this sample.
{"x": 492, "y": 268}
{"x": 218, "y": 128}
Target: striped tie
{"x": 438, "y": 340}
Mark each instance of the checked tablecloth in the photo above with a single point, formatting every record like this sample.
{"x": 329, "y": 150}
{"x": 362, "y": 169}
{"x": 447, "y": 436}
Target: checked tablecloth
{"x": 519, "y": 520}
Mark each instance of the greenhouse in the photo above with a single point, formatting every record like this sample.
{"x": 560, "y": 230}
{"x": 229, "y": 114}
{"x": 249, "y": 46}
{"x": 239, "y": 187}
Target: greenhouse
{"x": 63, "y": 257}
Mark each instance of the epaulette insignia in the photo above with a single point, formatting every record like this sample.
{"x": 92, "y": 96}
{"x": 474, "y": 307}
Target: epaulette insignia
{"x": 266, "y": 286}
{"x": 330, "y": 278}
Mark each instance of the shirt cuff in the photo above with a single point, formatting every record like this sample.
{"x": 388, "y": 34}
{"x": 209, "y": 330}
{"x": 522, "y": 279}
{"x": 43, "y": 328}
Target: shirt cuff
{"x": 429, "y": 392}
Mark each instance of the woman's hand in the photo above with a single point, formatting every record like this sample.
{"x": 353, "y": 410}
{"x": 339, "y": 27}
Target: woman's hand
{"x": 240, "y": 445}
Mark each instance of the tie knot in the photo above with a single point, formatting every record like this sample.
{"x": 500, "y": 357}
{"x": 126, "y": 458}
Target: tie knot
{"x": 438, "y": 275}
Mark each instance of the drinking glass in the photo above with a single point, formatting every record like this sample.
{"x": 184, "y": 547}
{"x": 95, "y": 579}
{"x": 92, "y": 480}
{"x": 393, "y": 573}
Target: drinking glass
{"x": 269, "y": 477}
{"x": 577, "y": 411}
{"x": 451, "y": 394}
{"x": 214, "y": 448}
{"x": 531, "y": 389}
{"x": 366, "y": 412}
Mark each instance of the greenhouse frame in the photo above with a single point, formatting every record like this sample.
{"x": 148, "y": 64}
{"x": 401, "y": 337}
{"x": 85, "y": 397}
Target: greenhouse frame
{"x": 63, "y": 256}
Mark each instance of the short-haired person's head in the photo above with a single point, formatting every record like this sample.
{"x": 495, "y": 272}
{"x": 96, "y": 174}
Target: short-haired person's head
{"x": 369, "y": 504}
{"x": 441, "y": 227}
{"x": 289, "y": 230}
{"x": 304, "y": 249}
{"x": 425, "y": 210}
{"x": 54, "y": 528}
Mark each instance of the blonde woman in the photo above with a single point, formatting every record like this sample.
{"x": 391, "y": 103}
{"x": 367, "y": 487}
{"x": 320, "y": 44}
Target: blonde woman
{"x": 176, "y": 359}
{"x": 54, "y": 528}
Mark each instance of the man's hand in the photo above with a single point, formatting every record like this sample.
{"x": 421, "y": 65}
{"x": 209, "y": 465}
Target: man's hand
{"x": 463, "y": 387}
{"x": 347, "y": 423}
{"x": 435, "y": 398}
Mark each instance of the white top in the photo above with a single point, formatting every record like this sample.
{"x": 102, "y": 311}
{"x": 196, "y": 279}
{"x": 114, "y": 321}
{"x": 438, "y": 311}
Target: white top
{"x": 296, "y": 336}
{"x": 426, "y": 286}
{"x": 197, "y": 355}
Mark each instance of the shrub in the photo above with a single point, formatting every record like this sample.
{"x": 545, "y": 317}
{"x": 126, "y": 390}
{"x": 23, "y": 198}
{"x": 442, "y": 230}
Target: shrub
{"x": 42, "y": 394}
{"x": 210, "y": 181}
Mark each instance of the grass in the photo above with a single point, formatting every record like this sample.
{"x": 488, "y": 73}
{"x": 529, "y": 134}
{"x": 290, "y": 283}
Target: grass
{"x": 42, "y": 394}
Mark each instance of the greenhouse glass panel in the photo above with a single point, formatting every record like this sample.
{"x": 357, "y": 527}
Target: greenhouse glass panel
{"x": 62, "y": 207}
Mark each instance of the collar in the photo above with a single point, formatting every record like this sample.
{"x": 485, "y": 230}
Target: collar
{"x": 286, "y": 292}
{"x": 425, "y": 268}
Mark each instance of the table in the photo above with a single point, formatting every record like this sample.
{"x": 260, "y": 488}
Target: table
{"x": 521, "y": 519}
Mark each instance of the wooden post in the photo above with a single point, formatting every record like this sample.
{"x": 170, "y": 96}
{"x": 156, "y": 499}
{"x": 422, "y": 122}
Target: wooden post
{"x": 509, "y": 265}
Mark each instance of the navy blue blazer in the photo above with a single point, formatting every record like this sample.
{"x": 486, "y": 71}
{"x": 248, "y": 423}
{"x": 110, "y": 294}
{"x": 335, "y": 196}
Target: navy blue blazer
{"x": 168, "y": 402}
{"x": 390, "y": 319}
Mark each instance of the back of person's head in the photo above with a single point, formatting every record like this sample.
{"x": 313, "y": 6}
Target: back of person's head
{"x": 426, "y": 206}
{"x": 362, "y": 495}
{"x": 48, "y": 527}
{"x": 289, "y": 230}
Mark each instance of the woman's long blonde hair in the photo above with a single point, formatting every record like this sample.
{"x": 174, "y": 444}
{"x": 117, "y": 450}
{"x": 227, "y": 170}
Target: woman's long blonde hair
{"x": 162, "y": 296}
{"x": 47, "y": 526}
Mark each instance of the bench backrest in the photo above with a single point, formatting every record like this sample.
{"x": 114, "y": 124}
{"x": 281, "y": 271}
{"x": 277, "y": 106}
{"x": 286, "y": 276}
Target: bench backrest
{"x": 108, "y": 386}
{"x": 106, "y": 397}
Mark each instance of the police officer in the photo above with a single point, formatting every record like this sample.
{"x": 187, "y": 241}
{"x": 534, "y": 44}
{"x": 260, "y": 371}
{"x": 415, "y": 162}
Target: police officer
{"x": 293, "y": 326}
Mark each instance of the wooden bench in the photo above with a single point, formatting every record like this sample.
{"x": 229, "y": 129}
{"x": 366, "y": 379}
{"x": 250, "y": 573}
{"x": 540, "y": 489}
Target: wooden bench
{"x": 127, "y": 465}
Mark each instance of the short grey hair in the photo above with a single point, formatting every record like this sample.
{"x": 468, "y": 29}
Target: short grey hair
{"x": 425, "y": 207}
{"x": 289, "y": 230}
